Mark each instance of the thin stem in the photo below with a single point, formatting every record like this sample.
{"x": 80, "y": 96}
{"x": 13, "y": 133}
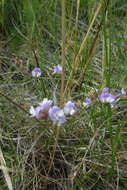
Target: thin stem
{"x": 63, "y": 51}
{"x": 77, "y": 15}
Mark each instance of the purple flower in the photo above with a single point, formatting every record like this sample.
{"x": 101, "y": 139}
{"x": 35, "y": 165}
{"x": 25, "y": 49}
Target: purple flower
{"x": 105, "y": 90}
{"x": 57, "y": 69}
{"x": 41, "y": 111}
{"x": 122, "y": 92}
{"x": 88, "y": 102}
{"x": 106, "y": 97}
{"x": 57, "y": 115}
{"x": 45, "y": 105}
{"x": 36, "y": 72}
{"x": 70, "y": 108}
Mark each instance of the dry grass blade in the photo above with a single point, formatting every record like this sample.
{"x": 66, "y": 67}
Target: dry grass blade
{"x": 5, "y": 171}
{"x": 83, "y": 44}
{"x": 77, "y": 14}
{"x": 88, "y": 58}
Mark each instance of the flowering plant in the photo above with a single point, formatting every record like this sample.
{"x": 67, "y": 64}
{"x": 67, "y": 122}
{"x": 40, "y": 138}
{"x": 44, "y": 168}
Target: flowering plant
{"x": 57, "y": 115}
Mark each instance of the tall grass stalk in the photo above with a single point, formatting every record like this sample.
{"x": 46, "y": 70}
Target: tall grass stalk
{"x": 77, "y": 15}
{"x": 63, "y": 50}
{"x": 88, "y": 58}
{"x": 107, "y": 62}
{"x": 2, "y": 13}
{"x": 82, "y": 47}
{"x": 57, "y": 128}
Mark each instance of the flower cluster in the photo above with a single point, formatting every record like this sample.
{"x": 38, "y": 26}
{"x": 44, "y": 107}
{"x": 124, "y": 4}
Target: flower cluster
{"x": 46, "y": 110}
{"x": 41, "y": 111}
{"x": 54, "y": 113}
{"x": 36, "y": 72}
{"x": 105, "y": 97}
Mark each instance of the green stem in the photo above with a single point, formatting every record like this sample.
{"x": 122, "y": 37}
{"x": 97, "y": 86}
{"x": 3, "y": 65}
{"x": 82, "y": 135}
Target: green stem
{"x": 63, "y": 52}
{"x": 106, "y": 65}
